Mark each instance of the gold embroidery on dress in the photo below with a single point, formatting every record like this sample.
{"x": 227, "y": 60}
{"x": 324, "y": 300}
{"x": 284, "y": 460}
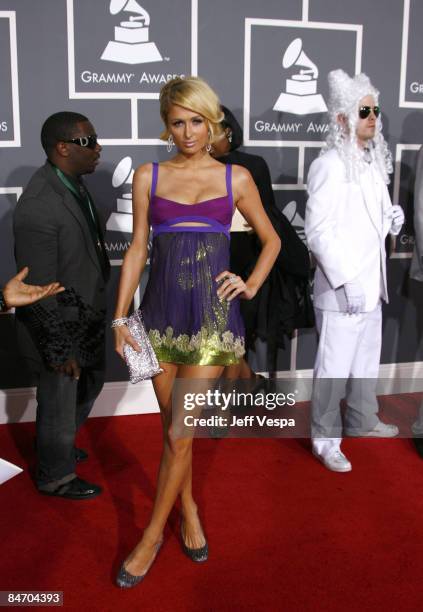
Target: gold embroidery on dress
{"x": 202, "y": 348}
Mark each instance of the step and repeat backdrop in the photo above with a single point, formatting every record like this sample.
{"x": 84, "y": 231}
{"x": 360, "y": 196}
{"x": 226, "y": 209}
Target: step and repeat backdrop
{"x": 108, "y": 60}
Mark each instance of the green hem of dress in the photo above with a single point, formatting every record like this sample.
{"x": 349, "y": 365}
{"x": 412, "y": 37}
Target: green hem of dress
{"x": 172, "y": 355}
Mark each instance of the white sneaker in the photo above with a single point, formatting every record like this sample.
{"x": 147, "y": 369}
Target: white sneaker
{"x": 382, "y": 430}
{"x": 335, "y": 461}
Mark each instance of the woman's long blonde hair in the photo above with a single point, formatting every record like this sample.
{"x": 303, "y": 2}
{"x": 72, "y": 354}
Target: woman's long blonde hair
{"x": 194, "y": 94}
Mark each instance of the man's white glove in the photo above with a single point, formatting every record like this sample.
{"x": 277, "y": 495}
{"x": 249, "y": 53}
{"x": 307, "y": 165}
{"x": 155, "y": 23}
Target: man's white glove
{"x": 397, "y": 219}
{"x": 355, "y": 297}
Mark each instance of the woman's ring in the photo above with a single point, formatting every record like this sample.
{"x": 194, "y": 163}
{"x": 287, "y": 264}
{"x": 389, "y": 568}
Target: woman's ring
{"x": 232, "y": 279}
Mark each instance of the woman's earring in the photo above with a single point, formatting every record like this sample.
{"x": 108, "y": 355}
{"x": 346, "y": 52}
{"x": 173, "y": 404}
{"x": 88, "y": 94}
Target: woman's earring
{"x": 208, "y": 146}
{"x": 229, "y": 137}
{"x": 170, "y": 143}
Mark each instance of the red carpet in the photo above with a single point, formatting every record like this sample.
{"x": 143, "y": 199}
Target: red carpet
{"x": 284, "y": 532}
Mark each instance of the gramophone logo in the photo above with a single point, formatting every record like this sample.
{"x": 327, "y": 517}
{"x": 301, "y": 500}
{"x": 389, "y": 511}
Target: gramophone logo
{"x": 300, "y": 96}
{"x": 131, "y": 44}
{"x": 121, "y": 221}
{"x": 291, "y": 213}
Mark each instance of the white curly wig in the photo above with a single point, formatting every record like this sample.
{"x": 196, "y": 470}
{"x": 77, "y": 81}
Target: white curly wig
{"x": 345, "y": 94}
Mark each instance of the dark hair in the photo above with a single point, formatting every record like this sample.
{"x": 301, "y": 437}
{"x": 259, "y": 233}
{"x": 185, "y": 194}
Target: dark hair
{"x": 230, "y": 122}
{"x": 57, "y": 127}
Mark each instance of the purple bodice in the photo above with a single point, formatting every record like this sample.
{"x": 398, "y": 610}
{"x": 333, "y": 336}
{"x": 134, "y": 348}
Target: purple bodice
{"x": 215, "y": 213}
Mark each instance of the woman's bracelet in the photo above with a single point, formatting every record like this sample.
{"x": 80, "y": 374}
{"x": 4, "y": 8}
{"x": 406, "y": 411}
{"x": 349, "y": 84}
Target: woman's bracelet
{"x": 119, "y": 322}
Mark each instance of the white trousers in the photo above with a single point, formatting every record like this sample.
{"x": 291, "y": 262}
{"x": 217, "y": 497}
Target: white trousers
{"x": 347, "y": 365}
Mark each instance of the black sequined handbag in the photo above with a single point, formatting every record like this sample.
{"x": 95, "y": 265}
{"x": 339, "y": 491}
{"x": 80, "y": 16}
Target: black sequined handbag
{"x": 142, "y": 364}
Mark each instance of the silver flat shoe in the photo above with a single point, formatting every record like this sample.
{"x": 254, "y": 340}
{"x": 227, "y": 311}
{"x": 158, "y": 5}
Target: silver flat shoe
{"x": 125, "y": 580}
{"x": 199, "y": 555}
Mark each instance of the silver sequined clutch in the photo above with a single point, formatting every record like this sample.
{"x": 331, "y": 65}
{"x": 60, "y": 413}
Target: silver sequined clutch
{"x": 142, "y": 364}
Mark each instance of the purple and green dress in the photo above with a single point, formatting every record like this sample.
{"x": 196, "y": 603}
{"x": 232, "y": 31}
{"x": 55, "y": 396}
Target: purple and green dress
{"x": 185, "y": 320}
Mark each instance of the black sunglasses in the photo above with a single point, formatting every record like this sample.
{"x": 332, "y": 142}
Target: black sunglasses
{"x": 364, "y": 111}
{"x": 85, "y": 141}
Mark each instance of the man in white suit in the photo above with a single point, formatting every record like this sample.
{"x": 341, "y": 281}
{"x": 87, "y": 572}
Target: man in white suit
{"x": 349, "y": 214}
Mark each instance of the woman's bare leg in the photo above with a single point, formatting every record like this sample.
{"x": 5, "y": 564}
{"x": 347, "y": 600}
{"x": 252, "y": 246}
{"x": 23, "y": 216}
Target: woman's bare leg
{"x": 174, "y": 473}
{"x": 192, "y": 530}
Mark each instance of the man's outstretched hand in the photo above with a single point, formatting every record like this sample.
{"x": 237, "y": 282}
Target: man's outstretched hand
{"x": 18, "y": 293}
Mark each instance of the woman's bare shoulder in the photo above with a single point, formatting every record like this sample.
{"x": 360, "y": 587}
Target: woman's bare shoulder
{"x": 143, "y": 174}
{"x": 240, "y": 175}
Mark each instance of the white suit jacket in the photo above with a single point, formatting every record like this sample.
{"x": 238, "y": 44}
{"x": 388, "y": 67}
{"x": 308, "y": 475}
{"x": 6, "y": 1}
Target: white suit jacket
{"x": 346, "y": 225}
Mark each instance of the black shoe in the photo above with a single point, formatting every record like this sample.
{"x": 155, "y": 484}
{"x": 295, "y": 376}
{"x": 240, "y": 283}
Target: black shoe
{"x": 125, "y": 580}
{"x": 75, "y": 489}
{"x": 80, "y": 455}
{"x": 199, "y": 555}
{"x": 418, "y": 443}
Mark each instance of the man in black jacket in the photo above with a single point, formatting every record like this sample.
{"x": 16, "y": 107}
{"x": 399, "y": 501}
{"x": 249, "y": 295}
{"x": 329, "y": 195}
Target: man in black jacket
{"x": 58, "y": 235}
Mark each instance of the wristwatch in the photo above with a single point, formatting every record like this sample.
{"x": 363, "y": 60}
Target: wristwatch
{"x": 3, "y": 306}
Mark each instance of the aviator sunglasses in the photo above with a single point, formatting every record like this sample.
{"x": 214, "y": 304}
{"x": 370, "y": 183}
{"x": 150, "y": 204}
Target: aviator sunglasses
{"x": 85, "y": 141}
{"x": 364, "y": 111}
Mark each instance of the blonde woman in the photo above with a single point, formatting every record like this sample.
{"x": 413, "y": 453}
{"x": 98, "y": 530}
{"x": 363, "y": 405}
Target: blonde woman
{"x": 190, "y": 306}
